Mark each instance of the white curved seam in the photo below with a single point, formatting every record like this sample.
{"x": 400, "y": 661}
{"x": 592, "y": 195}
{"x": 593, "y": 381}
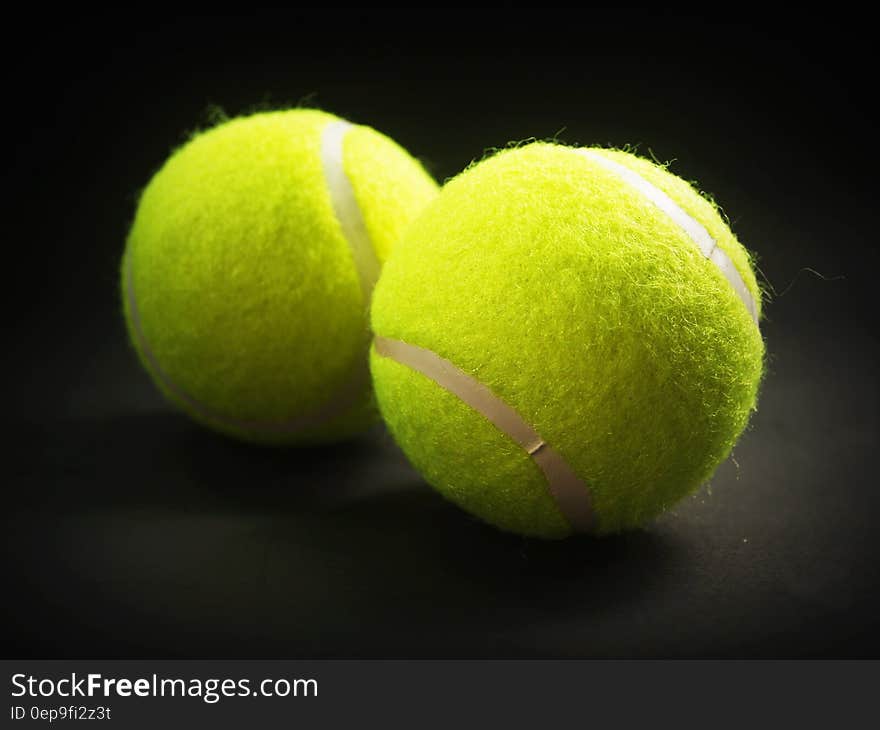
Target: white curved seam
{"x": 570, "y": 493}
{"x": 346, "y": 207}
{"x": 693, "y": 228}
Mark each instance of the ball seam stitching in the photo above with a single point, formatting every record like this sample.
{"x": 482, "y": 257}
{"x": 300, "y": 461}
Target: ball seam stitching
{"x": 568, "y": 491}
{"x": 694, "y": 230}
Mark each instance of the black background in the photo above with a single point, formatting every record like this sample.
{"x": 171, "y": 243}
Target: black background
{"x": 131, "y": 532}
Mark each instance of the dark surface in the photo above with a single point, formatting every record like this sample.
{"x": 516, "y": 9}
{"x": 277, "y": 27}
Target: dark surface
{"x": 130, "y": 532}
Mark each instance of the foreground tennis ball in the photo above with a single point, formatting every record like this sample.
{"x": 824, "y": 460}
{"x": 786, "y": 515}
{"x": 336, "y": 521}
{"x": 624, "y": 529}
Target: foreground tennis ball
{"x": 250, "y": 265}
{"x": 566, "y": 340}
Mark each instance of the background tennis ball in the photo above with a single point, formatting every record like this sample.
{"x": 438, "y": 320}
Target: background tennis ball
{"x": 566, "y": 340}
{"x": 250, "y": 265}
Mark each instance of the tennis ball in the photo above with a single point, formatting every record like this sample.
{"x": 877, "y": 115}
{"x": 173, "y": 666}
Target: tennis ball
{"x": 249, "y": 268}
{"x": 566, "y": 340}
